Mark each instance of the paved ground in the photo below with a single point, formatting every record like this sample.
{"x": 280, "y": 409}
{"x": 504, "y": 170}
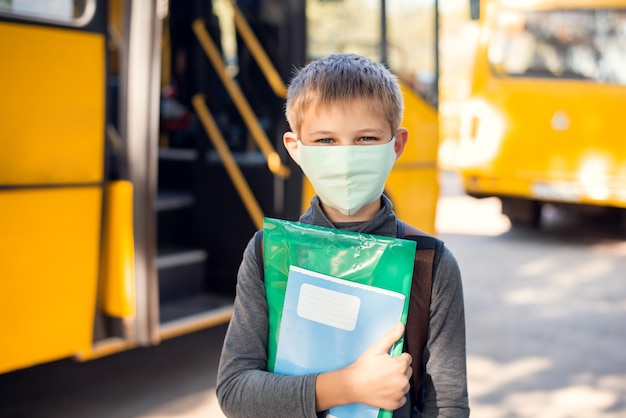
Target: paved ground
{"x": 546, "y": 311}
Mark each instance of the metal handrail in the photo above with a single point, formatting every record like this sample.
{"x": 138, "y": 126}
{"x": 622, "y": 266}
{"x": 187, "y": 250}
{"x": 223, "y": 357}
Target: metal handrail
{"x": 258, "y": 53}
{"x": 258, "y": 134}
{"x": 235, "y": 174}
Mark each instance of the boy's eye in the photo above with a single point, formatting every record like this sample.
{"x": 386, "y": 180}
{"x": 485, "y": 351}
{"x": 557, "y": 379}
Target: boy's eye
{"x": 361, "y": 140}
{"x": 324, "y": 141}
{"x": 367, "y": 139}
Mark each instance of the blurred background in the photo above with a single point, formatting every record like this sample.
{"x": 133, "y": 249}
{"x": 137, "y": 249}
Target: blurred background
{"x": 141, "y": 147}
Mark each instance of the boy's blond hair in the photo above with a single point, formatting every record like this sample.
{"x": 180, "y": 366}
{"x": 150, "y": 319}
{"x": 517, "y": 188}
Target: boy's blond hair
{"x": 341, "y": 78}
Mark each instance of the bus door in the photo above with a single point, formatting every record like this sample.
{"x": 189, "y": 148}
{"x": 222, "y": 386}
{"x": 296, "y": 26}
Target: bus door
{"x": 221, "y": 163}
{"x": 405, "y": 38}
{"x": 52, "y": 165}
{"x": 220, "y": 166}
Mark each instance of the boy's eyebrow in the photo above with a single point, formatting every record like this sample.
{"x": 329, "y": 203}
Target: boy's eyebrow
{"x": 359, "y": 132}
{"x": 320, "y": 132}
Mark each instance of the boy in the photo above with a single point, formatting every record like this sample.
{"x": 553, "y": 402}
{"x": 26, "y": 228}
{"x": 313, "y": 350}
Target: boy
{"x": 345, "y": 113}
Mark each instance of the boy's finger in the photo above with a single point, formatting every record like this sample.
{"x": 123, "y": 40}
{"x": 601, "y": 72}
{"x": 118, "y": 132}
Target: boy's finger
{"x": 388, "y": 340}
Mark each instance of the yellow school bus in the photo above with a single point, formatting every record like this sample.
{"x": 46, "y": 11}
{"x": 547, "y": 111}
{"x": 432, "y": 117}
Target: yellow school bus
{"x": 141, "y": 147}
{"x": 544, "y": 123}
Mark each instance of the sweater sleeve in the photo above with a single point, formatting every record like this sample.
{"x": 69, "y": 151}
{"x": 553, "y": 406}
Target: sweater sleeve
{"x": 445, "y": 383}
{"x": 244, "y": 387}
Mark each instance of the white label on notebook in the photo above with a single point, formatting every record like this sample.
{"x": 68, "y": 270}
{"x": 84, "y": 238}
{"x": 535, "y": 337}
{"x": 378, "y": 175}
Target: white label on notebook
{"x": 328, "y": 307}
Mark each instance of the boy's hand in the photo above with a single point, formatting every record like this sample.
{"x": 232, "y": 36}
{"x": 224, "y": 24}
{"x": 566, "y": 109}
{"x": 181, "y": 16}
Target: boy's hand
{"x": 374, "y": 379}
{"x": 380, "y": 380}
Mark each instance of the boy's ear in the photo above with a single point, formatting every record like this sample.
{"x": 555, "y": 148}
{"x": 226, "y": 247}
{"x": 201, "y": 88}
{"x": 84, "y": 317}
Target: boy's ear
{"x": 290, "y": 140}
{"x": 402, "y": 136}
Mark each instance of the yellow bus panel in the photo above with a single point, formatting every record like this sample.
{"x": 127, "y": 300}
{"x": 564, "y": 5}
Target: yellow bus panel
{"x": 118, "y": 252}
{"x": 48, "y": 284}
{"x": 413, "y": 184}
{"x": 52, "y": 107}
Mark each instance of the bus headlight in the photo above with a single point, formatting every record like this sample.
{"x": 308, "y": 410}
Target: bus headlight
{"x": 482, "y": 128}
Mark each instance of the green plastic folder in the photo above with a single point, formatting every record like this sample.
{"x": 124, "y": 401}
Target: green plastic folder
{"x": 364, "y": 259}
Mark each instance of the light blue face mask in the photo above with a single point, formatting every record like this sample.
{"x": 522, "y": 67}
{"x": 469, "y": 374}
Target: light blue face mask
{"x": 347, "y": 177}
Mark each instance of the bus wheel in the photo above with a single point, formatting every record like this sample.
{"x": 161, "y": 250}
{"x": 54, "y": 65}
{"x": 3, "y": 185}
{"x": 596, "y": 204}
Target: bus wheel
{"x": 522, "y": 212}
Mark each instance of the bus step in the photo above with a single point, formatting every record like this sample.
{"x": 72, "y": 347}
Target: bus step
{"x": 243, "y": 159}
{"x": 181, "y": 275}
{"x": 177, "y": 154}
{"x": 198, "y": 311}
{"x": 172, "y": 200}
{"x": 172, "y": 258}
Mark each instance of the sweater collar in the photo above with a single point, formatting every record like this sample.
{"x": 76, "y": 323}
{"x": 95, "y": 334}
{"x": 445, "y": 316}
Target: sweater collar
{"x": 384, "y": 223}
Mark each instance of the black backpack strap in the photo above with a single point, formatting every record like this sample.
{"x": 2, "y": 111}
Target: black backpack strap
{"x": 427, "y": 256}
{"x": 258, "y": 249}
{"x": 425, "y": 242}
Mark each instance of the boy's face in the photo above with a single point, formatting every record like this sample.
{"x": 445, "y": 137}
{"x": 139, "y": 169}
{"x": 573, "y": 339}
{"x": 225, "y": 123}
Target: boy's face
{"x": 353, "y": 124}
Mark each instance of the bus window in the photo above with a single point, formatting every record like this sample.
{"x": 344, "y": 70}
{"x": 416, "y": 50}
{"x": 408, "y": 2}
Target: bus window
{"x": 363, "y": 19}
{"x": 587, "y": 44}
{"x": 413, "y": 47}
{"x": 408, "y": 49}
{"x": 73, "y": 12}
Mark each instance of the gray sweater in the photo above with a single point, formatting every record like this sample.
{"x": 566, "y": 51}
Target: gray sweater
{"x": 246, "y": 389}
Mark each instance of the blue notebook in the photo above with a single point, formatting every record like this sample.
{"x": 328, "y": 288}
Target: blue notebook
{"x": 328, "y": 322}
